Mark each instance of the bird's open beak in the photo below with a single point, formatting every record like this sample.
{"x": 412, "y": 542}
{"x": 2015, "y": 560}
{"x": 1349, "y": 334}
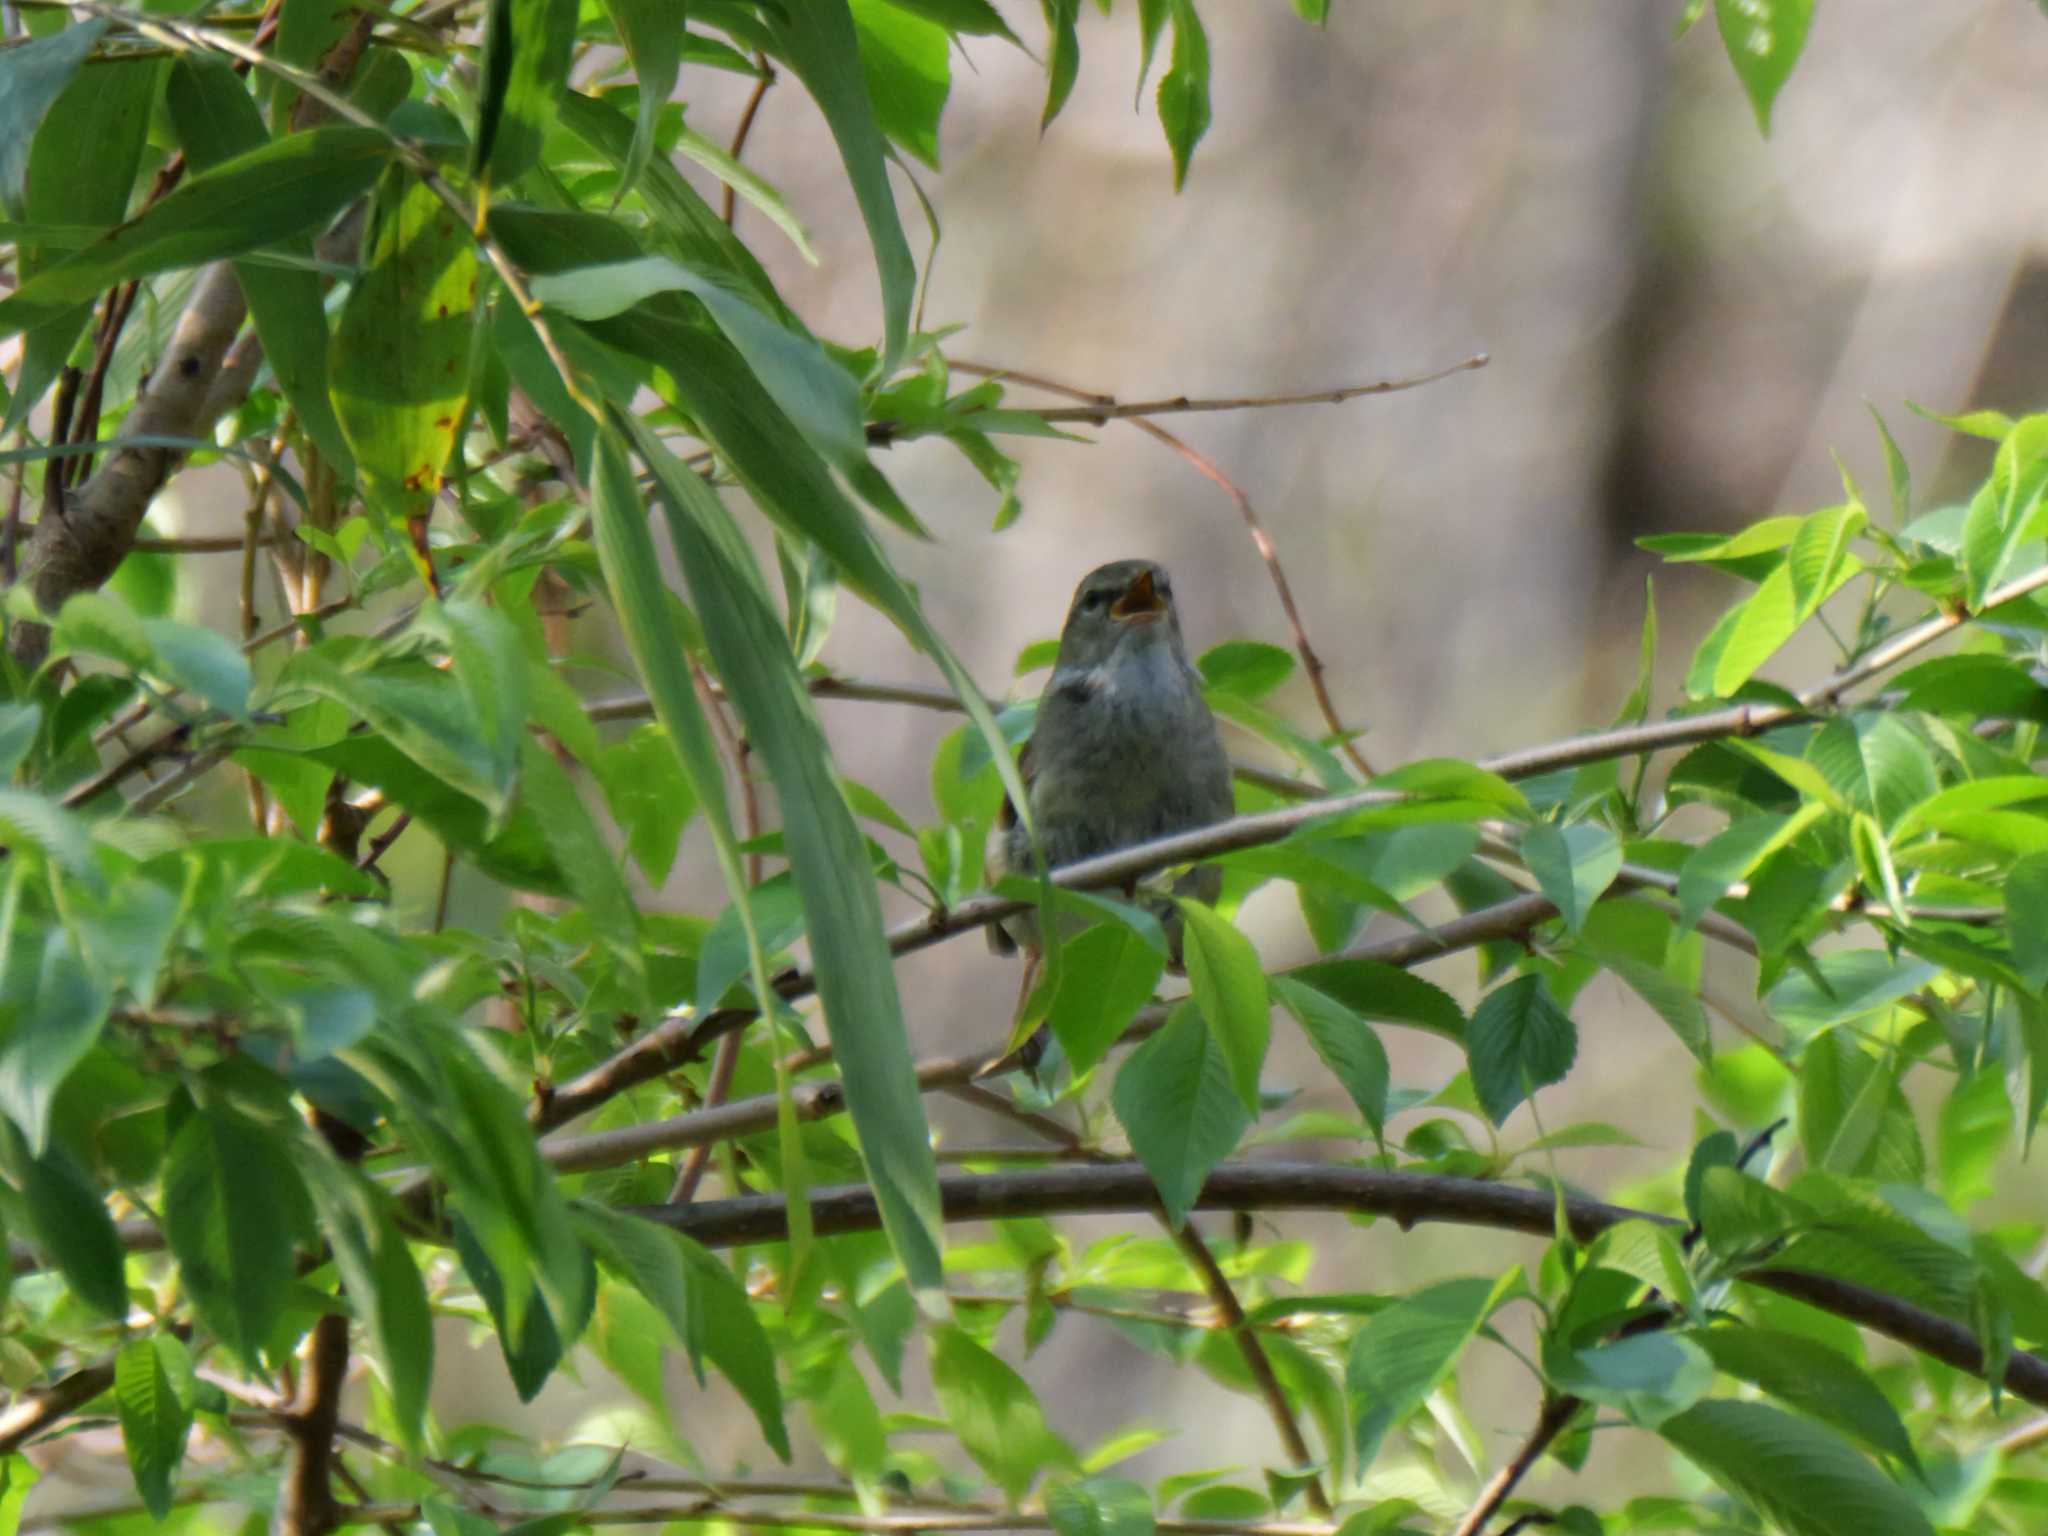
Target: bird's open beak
{"x": 1141, "y": 600}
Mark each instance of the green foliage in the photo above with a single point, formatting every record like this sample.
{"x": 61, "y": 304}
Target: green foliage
{"x": 251, "y": 1076}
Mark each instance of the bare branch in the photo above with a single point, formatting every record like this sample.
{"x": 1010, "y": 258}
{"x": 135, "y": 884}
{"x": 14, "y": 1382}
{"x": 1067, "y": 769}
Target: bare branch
{"x": 728, "y": 208}
{"x": 1557, "y": 1414}
{"x": 1101, "y": 409}
{"x": 1407, "y": 1198}
{"x": 34, "y": 1412}
{"x": 306, "y": 1504}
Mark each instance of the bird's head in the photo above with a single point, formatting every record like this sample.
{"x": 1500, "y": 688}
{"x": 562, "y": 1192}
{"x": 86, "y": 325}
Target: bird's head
{"x": 1122, "y": 608}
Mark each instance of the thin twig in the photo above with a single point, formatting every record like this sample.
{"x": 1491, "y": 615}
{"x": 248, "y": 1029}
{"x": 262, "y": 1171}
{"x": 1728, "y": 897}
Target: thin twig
{"x": 202, "y": 544}
{"x": 728, "y": 204}
{"x": 34, "y": 1412}
{"x": 1102, "y": 409}
{"x": 1256, "y": 1360}
{"x": 1557, "y": 1414}
{"x": 1102, "y": 406}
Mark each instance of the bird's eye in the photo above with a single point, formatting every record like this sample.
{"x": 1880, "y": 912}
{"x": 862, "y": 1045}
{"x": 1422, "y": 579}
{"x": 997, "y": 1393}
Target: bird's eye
{"x": 1094, "y": 600}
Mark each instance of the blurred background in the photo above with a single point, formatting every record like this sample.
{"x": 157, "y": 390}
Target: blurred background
{"x": 1684, "y": 321}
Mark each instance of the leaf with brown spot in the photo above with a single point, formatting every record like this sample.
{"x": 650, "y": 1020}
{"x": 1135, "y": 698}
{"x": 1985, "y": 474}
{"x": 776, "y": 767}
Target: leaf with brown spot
{"x": 402, "y": 347}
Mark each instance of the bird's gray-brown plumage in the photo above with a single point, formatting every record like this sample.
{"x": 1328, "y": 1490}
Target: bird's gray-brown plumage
{"x": 1124, "y": 748}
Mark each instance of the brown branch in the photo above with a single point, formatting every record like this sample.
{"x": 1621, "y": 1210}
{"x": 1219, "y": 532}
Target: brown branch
{"x": 728, "y": 204}
{"x": 1256, "y": 1360}
{"x": 33, "y": 1412}
{"x": 1101, "y": 409}
{"x": 79, "y": 547}
{"x": 1556, "y": 1416}
{"x": 1311, "y": 663}
{"x": 203, "y": 544}
{"x": 1407, "y": 1198}
{"x": 306, "y": 1505}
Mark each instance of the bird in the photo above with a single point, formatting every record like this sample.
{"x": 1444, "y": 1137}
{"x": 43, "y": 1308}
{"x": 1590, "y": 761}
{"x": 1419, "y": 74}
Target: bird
{"x": 1123, "y": 750}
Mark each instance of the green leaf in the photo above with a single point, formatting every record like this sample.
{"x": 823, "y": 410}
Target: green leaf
{"x": 1230, "y": 988}
{"x": 819, "y": 40}
{"x": 799, "y": 495}
{"x": 1897, "y": 476}
{"x": 688, "y": 227}
{"x": 1974, "y": 1128}
{"x": 527, "y": 49}
{"x": 382, "y": 1281}
{"x": 1449, "y": 779}
{"x": 109, "y": 108}
{"x": 68, "y": 1216}
{"x": 425, "y": 713}
{"x": 1636, "y": 708}
{"x": 1346, "y": 1044}
{"x": 529, "y": 1338}
{"x": 2026, "y": 917}
{"x": 1107, "y": 974}
{"x": 1100, "y": 1506}
{"x": 1175, "y": 1100}
{"x": 586, "y": 862}
{"x": 1877, "y": 763}
{"x": 44, "y": 1035}
{"x": 2001, "y": 514}
{"x": 1757, "y": 629}
{"x": 1853, "y": 1118}
{"x": 1648, "y": 1376}
{"x": 154, "y": 1422}
{"x": 1806, "y": 1374}
{"x": 993, "y": 1413}
{"x": 1806, "y": 1479}
{"x": 204, "y": 662}
{"x": 1763, "y": 39}
{"x": 703, "y": 1305}
{"x": 32, "y": 74}
{"x": 1574, "y": 865}
{"x": 1062, "y": 56}
{"x": 1846, "y": 984}
{"x": 19, "y": 726}
{"x": 1249, "y": 668}
{"x": 1670, "y": 999}
{"x": 905, "y": 60}
{"x": 654, "y": 42}
{"x": 1710, "y": 869}
{"x": 473, "y": 1133}
{"x": 289, "y": 186}
{"x": 815, "y": 393}
{"x": 400, "y": 374}
{"x": 229, "y": 1194}
{"x": 1518, "y": 1041}
{"x": 856, "y": 975}
{"x": 1373, "y": 990}
{"x": 1738, "y": 1214}
{"x": 1402, "y": 1354}
{"x": 649, "y": 798}
{"x": 1818, "y": 553}
{"x": 1184, "y": 89}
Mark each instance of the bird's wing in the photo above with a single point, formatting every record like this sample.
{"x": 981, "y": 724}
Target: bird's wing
{"x": 1006, "y": 818}
{"x": 1000, "y": 940}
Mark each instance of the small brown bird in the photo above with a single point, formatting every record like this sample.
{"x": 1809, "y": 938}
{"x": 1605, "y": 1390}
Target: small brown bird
{"x": 1124, "y": 748}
